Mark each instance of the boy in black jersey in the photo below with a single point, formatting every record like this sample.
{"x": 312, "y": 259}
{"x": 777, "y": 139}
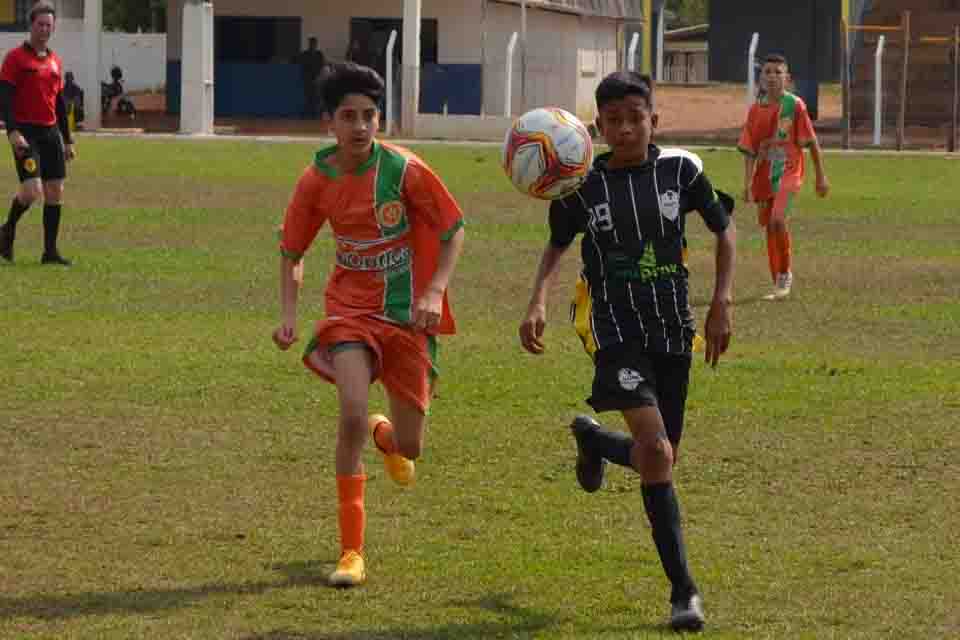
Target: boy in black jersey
{"x": 632, "y": 211}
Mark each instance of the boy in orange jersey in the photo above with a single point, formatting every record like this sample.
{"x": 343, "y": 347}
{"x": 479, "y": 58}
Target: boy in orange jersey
{"x": 777, "y": 130}
{"x": 398, "y": 235}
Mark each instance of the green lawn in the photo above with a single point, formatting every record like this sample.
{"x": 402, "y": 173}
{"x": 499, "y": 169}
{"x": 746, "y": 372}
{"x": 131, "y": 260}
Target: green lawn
{"x": 169, "y": 474}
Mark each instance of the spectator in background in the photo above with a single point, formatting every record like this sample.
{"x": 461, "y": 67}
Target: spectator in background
{"x": 312, "y": 64}
{"x": 359, "y": 52}
{"x": 73, "y": 96}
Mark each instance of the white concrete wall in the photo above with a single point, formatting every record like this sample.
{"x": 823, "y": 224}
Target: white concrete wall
{"x": 491, "y": 128}
{"x": 598, "y": 56}
{"x": 142, "y": 56}
{"x": 550, "y": 59}
{"x": 69, "y": 9}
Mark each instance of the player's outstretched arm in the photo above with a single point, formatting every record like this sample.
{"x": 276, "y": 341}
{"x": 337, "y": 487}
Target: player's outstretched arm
{"x": 286, "y": 334}
{"x": 719, "y": 325}
{"x": 429, "y": 307}
{"x": 531, "y": 329}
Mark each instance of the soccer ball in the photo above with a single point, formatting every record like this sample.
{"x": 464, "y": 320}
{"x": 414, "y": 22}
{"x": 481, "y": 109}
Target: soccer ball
{"x": 547, "y": 153}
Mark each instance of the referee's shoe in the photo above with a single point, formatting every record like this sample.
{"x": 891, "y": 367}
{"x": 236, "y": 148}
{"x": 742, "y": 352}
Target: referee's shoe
{"x": 55, "y": 258}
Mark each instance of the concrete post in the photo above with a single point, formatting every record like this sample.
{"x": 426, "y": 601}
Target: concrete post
{"x": 412, "y": 12}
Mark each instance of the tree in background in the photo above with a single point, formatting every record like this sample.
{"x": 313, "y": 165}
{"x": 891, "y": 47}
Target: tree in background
{"x": 687, "y": 13}
{"x": 134, "y": 15}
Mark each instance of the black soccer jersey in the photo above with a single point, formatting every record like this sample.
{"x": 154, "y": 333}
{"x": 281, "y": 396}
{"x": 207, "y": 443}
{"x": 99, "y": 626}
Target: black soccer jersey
{"x": 633, "y": 246}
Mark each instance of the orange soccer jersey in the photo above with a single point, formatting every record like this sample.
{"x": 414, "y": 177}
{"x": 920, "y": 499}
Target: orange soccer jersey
{"x": 388, "y": 219}
{"x": 776, "y": 135}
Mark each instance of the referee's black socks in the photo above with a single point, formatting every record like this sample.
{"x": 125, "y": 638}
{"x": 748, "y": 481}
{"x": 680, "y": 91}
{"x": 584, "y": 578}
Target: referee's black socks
{"x": 663, "y": 510}
{"x": 51, "y": 229}
{"x": 17, "y": 209}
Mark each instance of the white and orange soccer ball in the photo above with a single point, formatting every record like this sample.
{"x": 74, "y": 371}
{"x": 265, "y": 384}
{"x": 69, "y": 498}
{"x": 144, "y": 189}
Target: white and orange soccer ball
{"x": 547, "y": 153}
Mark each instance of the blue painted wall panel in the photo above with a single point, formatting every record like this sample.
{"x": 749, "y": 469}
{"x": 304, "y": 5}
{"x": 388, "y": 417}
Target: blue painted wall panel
{"x": 457, "y": 85}
{"x": 274, "y": 90}
{"x": 246, "y": 90}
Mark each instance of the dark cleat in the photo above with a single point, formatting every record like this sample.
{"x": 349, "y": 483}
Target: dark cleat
{"x": 589, "y": 468}
{"x": 55, "y": 258}
{"x": 687, "y": 615}
{"x": 6, "y": 242}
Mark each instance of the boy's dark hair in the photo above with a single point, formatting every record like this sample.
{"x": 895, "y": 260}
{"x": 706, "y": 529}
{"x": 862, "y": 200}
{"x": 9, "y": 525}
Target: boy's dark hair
{"x": 41, "y": 8}
{"x": 346, "y": 78}
{"x": 775, "y": 58}
{"x": 620, "y": 84}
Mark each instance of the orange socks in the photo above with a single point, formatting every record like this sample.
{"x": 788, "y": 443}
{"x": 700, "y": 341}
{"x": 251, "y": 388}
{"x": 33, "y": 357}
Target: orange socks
{"x": 351, "y": 513}
{"x": 773, "y": 254}
{"x": 383, "y": 437}
{"x": 786, "y": 251}
{"x": 779, "y": 250}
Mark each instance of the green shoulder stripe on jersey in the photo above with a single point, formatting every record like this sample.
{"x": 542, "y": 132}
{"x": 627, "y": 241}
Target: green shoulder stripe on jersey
{"x": 390, "y": 171}
{"x": 449, "y": 233}
{"x": 391, "y": 215}
{"x": 788, "y": 110}
{"x": 398, "y": 302}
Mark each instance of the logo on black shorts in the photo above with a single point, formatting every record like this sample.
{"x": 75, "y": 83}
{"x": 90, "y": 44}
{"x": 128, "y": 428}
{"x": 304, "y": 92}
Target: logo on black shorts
{"x": 30, "y": 165}
{"x": 629, "y": 379}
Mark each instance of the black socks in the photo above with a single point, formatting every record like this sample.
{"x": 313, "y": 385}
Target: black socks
{"x": 663, "y": 510}
{"x": 17, "y": 209}
{"x": 612, "y": 445}
{"x": 51, "y": 228}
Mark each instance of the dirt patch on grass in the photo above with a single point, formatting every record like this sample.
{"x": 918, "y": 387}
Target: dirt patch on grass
{"x": 689, "y": 114}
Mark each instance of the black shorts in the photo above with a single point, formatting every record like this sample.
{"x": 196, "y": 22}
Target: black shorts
{"x": 627, "y": 377}
{"x": 46, "y": 158}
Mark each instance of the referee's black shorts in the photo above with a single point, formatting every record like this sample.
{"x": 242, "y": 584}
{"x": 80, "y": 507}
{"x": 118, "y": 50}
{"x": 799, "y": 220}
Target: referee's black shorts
{"x": 627, "y": 377}
{"x": 46, "y": 157}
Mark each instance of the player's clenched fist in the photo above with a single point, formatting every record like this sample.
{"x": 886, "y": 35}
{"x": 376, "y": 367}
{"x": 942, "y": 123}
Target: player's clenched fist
{"x": 284, "y": 337}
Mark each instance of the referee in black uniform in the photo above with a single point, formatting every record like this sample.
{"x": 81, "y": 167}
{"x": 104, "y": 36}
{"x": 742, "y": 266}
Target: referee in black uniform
{"x": 35, "y": 114}
{"x": 631, "y": 212}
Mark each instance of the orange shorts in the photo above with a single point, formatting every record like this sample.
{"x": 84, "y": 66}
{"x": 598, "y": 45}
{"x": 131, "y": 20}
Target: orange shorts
{"x": 404, "y": 360}
{"x": 776, "y": 207}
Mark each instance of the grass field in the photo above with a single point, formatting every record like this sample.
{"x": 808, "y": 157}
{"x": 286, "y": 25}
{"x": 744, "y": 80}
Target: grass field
{"x": 167, "y": 473}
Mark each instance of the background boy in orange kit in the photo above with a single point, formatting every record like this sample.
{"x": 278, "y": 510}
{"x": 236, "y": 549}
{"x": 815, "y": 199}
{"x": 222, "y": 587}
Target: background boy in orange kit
{"x": 777, "y": 130}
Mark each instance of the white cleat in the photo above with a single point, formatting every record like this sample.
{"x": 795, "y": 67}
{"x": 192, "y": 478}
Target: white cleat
{"x": 687, "y": 615}
{"x": 782, "y": 289}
